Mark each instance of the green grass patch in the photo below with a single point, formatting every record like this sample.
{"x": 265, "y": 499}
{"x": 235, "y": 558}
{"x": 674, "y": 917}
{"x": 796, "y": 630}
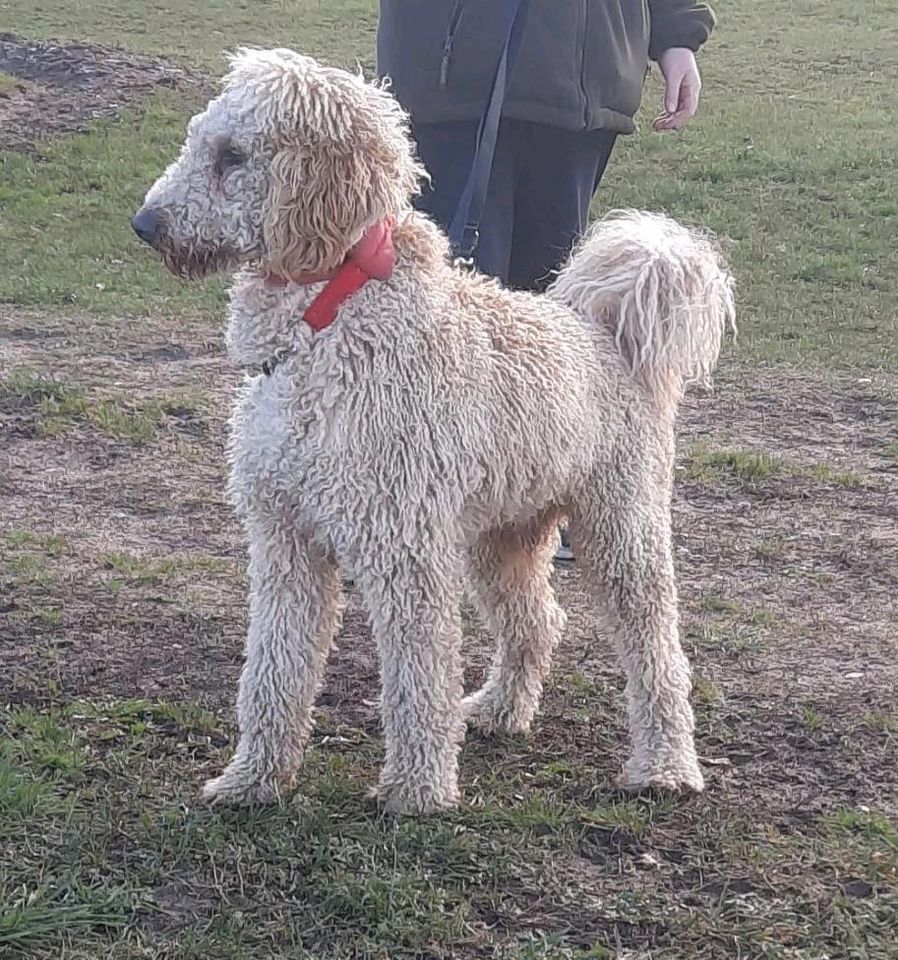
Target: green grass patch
{"x": 871, "y": 825}
{"x": 49, "y": 616}
{"x": 750, "y": 468}
{"x": 45, "y": 743}
{"x": 29, "y": 565}
{"x": 770, "y": 549}
{"x": 140, "y": 717}
{"x": 116, "y": 851}
{"x": 825, "y": 474}
{"x": 56, "y": 405}
{"x": 57, "y": 408}
{"x": 579, "y": 683}
{"x": 735, "y": 639}
{"x": 46, "y": 914}
{"x": 53, "y": 545}
{"x": 8, "y": 84}
{"x": 138, "y": 569}
{"x": 21, "y": 795}
{"x": 137, "y": 423}
{"x": 726, "y": 626}
{"x": 636, "y": 816}
{"x": 65, "y": 218}
{"x": 881, "y": 721}
{"x": 812, "y": 718}
{"x": 711, "y": 603}
{"x": 704, "y": 690}
{"x": 340, "y": 32}
{"x": 811, "y": 208}
{"x": 29, "y": 570}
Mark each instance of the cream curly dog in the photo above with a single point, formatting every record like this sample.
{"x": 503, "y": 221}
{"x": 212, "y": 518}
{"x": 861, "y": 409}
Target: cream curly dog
{"x": 432, "y": 428}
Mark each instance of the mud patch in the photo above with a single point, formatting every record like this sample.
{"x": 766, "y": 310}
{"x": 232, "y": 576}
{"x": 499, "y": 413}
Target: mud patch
{"x": 52, "y": 88}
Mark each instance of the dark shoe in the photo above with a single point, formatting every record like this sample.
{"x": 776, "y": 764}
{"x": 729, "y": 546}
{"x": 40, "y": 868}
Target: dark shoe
{"x": 564, "y": 554}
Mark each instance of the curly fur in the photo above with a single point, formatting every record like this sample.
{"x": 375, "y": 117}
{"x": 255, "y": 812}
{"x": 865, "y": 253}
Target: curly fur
{"x": 435, "y": 433}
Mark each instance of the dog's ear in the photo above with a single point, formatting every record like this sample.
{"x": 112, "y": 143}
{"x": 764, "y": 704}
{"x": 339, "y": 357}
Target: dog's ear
{"x": 321, "y": 199}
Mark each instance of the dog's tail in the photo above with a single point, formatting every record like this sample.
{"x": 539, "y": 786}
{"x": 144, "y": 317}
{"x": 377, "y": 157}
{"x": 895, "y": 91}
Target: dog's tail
{"x": 662, "y": 289}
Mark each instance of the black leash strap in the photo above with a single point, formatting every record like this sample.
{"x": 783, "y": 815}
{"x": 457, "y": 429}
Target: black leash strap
{"x": 464, "y": 231}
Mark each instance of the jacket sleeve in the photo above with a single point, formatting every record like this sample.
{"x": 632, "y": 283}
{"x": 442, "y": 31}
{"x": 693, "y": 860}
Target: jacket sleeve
{"x": 679, "y": 23}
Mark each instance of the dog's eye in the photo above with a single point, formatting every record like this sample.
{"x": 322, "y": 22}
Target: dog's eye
{"x": 228, "y": 158}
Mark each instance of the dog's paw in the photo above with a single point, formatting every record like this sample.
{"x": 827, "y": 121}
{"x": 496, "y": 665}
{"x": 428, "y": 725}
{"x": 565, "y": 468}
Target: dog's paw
{"x": 488, "y": 714}
{"x": 238, "y": 787}
{"x": 671, "y": 774}
{"x": 416, "y": 799}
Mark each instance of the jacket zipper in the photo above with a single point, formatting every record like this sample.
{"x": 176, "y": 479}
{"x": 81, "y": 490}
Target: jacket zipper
{"x": 585, "y": 23}
{"x": 454, "y": 17}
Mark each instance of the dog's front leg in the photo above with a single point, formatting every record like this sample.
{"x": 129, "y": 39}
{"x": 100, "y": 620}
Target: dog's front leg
{"x": 414, "y": 609}
{"x": 294, "y": 599}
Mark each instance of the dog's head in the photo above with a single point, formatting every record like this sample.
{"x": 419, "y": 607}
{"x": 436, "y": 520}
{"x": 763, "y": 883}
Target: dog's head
{"x": 288, "y": 166}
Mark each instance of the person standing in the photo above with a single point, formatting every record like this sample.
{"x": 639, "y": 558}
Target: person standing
{"x": 574, "y": 87}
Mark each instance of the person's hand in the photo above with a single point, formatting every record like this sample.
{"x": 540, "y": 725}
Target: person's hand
{"x": 682, "y": 85}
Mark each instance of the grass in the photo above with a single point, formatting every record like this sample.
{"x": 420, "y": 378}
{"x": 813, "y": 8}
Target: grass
{"x": 30, "y": 570}
{"x": 749, "y": 467}
{"x": 825, "y": 474}
{"x": 811, "y": 206}
{"x": 29, "y": 560}
{"x": 727, "y": 626}
{"x": 136, "y": 423}
{"x": 359, "y": 876}
{"x": 752, "y": 469}
{"x": 23, "y": 389}
{"x": 812, "y": 718}
{"x": 21, "y": 796}
{"x": 8, "y": 84}
{"x": 65, "y": 215}
{"x": 197, "y": 32}
{"x": 714, "y": 604}
{"x": 704, "y": 691}
{"x": 879, "y": 720}
{"x": 805, "y": 203}
{"x": 129, "y": 566}
{"x": 109, "y": 855}
{"x": 770, "y": 549}
{"x": 53, "y": 545}
{"x": 57, "y": 408}
{"x": 634, "y": 816}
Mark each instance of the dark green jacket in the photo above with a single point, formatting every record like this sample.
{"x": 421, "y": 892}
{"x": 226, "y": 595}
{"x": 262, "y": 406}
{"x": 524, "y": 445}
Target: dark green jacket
{"x": 581, "y": 65}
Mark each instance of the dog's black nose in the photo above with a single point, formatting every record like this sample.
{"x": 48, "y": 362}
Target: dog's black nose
{"x": 145, "y": 224}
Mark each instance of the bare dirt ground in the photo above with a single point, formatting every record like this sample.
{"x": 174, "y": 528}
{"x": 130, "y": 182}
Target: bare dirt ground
{"x": 788, "y": 570}
{"x": 58, "y": 88}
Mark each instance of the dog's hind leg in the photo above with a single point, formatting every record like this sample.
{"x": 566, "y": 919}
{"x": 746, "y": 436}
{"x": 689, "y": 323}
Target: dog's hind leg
{"x": 625, "y": 542}
{"x": 294, "y": 600}
{"x": 509, "y": 578}
{"x": 413, "y": 599}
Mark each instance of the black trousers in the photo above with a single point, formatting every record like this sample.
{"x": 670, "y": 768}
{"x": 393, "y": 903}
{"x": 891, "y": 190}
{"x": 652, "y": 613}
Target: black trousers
{"x": 541, "y": 185}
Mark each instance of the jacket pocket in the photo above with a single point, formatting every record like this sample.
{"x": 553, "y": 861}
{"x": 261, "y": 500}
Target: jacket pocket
{"x": 617, "y": 48}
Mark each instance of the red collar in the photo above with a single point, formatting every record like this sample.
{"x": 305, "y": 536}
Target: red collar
{"x": 372, "y": 258}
